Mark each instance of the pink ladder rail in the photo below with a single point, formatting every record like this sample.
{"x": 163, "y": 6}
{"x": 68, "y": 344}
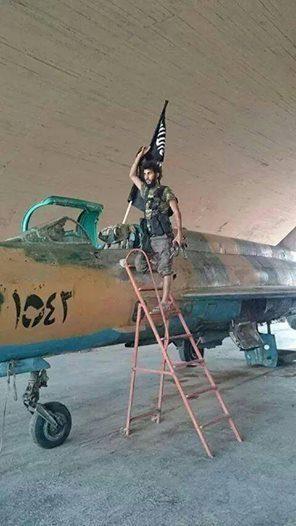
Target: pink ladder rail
{"x": 168, "y": 367}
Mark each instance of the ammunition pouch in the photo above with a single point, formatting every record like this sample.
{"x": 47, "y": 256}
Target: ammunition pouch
{"x": 159, "y": 225}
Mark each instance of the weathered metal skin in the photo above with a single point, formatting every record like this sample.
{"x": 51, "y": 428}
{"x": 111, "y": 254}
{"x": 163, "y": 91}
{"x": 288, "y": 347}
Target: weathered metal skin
{"x": 61, "y": 297}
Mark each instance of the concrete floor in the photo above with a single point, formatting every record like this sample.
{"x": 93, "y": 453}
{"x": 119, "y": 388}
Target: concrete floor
{"x": 161, "y": 474}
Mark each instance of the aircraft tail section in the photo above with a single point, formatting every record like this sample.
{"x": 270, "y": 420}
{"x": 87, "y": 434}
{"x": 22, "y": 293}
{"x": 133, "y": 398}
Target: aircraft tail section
{"x": 289, "y": 241}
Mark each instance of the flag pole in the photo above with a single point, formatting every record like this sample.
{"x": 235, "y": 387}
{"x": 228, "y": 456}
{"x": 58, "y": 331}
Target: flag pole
{"x": 127, "y": 212}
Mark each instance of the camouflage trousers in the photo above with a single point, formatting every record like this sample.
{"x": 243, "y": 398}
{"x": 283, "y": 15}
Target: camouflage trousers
{"x": 160, "y": 256}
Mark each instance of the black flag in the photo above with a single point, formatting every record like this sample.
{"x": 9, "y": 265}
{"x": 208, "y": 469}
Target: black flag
{"x": 156, "y": 153}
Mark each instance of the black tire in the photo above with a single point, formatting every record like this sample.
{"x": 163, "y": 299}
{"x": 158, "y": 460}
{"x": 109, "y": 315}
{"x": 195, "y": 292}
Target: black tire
{"x": 187, "y": 352}
{"x": 44, "y": 434}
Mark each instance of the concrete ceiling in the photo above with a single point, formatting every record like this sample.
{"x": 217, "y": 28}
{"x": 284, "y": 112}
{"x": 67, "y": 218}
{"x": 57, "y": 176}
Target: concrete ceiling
{"x": 82, "y": 84}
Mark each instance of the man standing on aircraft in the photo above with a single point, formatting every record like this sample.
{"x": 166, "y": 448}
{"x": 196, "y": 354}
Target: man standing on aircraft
{"x": 160, "y": 203}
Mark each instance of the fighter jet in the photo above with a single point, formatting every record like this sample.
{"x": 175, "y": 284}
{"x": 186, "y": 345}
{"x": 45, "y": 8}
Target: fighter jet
{"x": 62, "y": 289}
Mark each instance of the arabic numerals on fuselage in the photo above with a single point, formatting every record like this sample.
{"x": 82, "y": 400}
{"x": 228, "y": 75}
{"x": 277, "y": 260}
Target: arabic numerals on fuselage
{"x": 44, "y": 309}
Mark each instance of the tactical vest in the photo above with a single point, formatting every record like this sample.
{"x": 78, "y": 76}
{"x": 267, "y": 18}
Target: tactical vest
{"x": 158, "y": 223}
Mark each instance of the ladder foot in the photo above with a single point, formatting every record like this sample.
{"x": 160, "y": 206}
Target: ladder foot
{"x": 124, "y": 431}
{"x": 235, "y": 431}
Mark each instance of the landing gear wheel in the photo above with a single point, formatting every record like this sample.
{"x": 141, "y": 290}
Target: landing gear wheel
{"x": 46, "y": 435}
{"x": 187, "y": 352}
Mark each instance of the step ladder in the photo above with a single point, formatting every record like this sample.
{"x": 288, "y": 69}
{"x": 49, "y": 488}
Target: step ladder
{"x": 168, "y": 367}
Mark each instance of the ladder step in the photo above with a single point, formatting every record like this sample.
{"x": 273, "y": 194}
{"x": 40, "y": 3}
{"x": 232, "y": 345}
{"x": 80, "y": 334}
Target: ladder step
{"x": 151, "y": 371}
{"x": 179, "y": 337}
{"x": 167, "y": 313}
{"x": 201, "y": 391}
{"x": 150, "y": 289}
{"x": 215, "y": 421}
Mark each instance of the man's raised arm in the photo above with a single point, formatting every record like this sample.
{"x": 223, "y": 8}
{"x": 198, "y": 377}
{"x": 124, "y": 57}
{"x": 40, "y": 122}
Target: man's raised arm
{"x": 134, "y": 168}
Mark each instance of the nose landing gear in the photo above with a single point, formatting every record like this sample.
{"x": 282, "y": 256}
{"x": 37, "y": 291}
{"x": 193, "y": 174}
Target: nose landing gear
{"x": 51, "y": 422}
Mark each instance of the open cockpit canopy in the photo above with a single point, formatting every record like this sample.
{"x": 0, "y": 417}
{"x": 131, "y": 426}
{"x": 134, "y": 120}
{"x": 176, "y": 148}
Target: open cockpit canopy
{"x": 83, "y": 229}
